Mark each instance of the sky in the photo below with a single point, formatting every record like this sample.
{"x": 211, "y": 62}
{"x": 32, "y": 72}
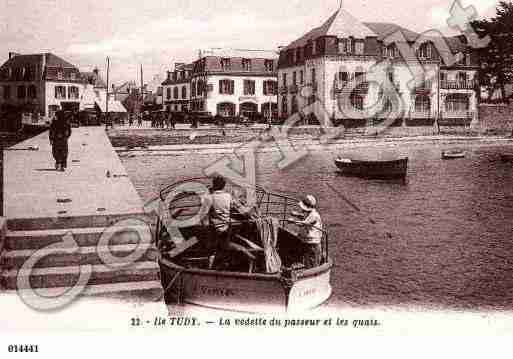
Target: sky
{"x": 158, "y": 33}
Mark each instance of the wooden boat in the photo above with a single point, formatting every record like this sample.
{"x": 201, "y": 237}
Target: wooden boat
{"x": 505, "y": 157}
{"x": 34, "y": 124}
{"x": 189, "y": 276}
{"x": 453, "y": 154}
{"x": 374, "y": 169}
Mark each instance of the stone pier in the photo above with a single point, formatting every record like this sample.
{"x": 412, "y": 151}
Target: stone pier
{"x": 42, "y": 206}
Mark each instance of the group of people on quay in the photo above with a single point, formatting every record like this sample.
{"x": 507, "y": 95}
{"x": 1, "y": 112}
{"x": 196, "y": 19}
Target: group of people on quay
{"x": 157, "y": 119}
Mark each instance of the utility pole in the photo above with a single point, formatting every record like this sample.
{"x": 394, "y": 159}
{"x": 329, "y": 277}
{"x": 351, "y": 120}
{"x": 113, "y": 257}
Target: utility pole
{"x": 142, "y": 89}
{"x": 107, "y": 96}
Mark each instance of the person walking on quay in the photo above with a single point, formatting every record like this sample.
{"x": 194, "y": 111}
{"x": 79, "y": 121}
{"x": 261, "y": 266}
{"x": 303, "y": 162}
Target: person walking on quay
{"x": 139, "y": 119}
{"x": 311, "y": 231}
{"x": 130, "y": 120}
{"x": 60, "y": 131}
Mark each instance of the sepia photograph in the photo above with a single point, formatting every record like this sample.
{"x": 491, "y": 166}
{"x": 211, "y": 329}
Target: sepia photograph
{"x": 182, "y": 168}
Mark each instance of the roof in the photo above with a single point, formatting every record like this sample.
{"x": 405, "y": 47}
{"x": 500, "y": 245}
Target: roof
{"x": 114, "y": 106}
{"x": 384, "y": 29}
{"x": 241, "y": 53}
{"x": 340, "y": 24}
{"x": 51, "y": 60}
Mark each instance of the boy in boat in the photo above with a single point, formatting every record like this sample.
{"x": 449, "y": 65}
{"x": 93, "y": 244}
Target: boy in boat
{"x": 311, "y": 231}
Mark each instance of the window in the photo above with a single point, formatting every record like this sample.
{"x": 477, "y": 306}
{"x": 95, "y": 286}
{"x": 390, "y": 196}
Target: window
{"x": 294, "y": 78}
{"x": 462, "y": 77}
{"x": 269, "y": 65}
{"x": 359, "y": 47}
{"x": 73, "y": 92}
{"x": 343, "y": 76}
{"x": 175, "y": 92}
{"x": 184, "y": 92}
{"x": 270, "y": 87}
{"x": 359, "y": 76}
{"x": 60, "y": 75}
{"x": 294, "y": 107}
{"x": 226, "y": 87}
{"x": 226, "y": 64}
{"x": 314, "y": 76}
{"x": 390, "y": 74}
{"x": 299, "y": 55}
{"x": 284, "y": 106}
{"x": 60, "y": 92}
{"x": 73, "y": 76}
{"x": 7, "y": 92}
{"x": 457, "y": 103}
{"x": 342, "y": 46}
{"x": 284, "y": 80}
{"x": 422, "y": 103}
{"x": 249, "y": 88}
{"x": 193, "y": 89}
{"x": 246, "y": 64}
{"x": 168, "y": 93}
{"x": 22, "y": 92}
{"x": 356, "y": 101}
{"x": 314, "y": 47}
{"x": 424, "y": 51}
{"x": 443, "y": 76}
{"x": 301, "y": 77}
{"x": 390, "y": 51}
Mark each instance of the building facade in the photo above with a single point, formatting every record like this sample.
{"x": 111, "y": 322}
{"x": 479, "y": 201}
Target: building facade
{"x": 235, "y": 82}
{"x": 39, "y": 84}
{"x": 345, "y": 63}
{"x": 176, "y": 89}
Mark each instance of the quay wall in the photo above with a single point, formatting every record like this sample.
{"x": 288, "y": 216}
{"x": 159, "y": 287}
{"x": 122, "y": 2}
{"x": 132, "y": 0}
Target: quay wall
{"x": 496, "y": 119}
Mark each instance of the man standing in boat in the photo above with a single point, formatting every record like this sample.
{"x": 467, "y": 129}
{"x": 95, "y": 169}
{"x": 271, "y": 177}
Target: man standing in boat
{"x": 220, "y": 219}
{"x": 311, "y": 231}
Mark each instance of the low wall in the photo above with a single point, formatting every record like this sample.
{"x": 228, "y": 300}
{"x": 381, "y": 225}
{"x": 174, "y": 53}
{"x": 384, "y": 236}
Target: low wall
{"x": 496, "y": 119}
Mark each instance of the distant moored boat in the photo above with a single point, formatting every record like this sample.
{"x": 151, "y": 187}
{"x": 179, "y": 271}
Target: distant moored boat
{"x": 374, "y": 169}
{"x": 452, "y": 154}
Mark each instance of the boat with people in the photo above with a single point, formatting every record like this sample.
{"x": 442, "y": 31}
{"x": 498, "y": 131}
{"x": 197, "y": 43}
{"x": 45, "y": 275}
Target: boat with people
{"x": 453, "y": 154}
{"x": 396, "y": 168}
{"x": 261, "y": 271}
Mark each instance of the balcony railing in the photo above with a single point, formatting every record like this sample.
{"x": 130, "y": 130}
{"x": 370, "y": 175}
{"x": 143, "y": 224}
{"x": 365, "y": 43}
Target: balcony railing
{"x": 293, "y": 89}
{"x": 458, "y": 85}
{"x": 457, "y": 114}
{"x": 283, "y": 90}
{"x": 341, "y": 86}
{"x": 421, "y": 114}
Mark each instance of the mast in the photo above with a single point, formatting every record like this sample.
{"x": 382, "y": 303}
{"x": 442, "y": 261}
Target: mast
{"x": 107, "y": 95}
{"x": 142, "y": 88}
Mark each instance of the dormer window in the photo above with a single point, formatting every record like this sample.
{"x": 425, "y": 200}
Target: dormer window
{"x": 342, "y": 46}
{"x": 299, "y": 55}
{"x": 225, "y": 64}
{"x": 73, "y": 76}
{"x": 314, "y": 47}
{"x": 246, "y": 64}
{"x": 60, "y": 75}
{"x": 269, "y": 65}
{"x": 359, "y": 46}
{"x": 424, "y": 51}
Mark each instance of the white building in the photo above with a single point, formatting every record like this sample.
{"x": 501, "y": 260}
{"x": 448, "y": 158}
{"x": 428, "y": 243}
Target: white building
{"x": 335, "y": 61}
{"x": 235, "y": 82}
{"x": 39, "y": 84}
{"x": 176, "y": 89}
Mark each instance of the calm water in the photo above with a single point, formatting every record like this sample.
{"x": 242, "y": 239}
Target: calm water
{"x": 451, "y": 223}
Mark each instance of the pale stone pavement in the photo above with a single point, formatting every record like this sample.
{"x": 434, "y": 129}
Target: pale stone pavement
{"x": 34, "y": 189}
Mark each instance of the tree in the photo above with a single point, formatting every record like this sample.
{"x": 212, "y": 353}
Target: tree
{"x": 497, "y": 58}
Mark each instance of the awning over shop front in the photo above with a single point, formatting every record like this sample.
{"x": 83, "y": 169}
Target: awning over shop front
{"x": 114, "y": 106}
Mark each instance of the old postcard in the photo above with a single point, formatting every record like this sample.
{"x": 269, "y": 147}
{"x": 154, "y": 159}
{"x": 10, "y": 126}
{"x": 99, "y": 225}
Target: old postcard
{"x": 295, "y": 167}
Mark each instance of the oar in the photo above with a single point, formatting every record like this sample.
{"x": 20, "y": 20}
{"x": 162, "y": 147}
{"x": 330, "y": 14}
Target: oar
{"x": 355, "y": 207}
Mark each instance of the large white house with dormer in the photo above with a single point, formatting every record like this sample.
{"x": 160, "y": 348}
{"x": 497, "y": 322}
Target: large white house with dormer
{"x": 344, "y": 64}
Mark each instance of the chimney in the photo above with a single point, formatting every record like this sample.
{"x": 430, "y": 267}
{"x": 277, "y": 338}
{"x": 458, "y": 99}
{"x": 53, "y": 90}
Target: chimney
{"x": 12, "y": 55}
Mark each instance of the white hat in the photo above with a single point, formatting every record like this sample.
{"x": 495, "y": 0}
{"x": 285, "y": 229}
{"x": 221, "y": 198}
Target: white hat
{"x": 308, "y": 203}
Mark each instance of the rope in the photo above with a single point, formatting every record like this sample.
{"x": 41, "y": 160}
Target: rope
{"x": 169, "y": 286}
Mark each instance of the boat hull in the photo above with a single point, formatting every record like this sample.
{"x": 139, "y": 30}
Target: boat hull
{"x": 452, "y": 156}
{"x": 396, "y": 169}
{"x": 244, "y": 292}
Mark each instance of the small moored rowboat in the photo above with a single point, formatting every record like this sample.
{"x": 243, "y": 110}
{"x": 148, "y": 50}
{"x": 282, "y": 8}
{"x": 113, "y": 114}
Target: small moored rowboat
{"x": 453, "y": 154}
{"x": 241, "y": 282}
{"x": 374, "y": 169}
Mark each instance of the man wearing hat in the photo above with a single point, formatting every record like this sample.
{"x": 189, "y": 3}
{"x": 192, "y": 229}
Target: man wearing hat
{"x": 311, "y": 231}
